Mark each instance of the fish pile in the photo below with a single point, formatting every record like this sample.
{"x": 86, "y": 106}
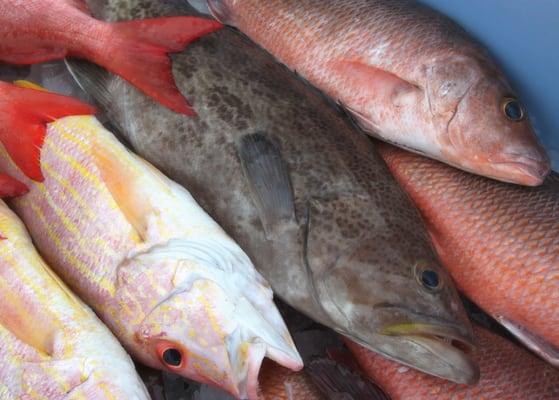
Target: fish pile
{"x": 205, "y": 177}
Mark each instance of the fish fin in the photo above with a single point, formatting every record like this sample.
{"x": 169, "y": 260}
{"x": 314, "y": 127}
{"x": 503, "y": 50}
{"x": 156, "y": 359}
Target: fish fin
{"x": 335, "y": 380}
{"x": 269, "y": 182}
{"x": 121, "y": 176}
{"x": 140, "y": 54}
{"x": 20, "y": 56}
{"x": 374, "y": 83}
{"x": 537, "y": 344}
{"x": 11, "y": 187}
{"x": 93, "y": 80}
{"x": 23, "y": 130}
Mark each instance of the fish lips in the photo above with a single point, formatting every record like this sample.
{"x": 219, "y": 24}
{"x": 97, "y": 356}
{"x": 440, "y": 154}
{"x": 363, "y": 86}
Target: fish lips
{"x": 523, "y": 170}
{"x": 439, "y": 350}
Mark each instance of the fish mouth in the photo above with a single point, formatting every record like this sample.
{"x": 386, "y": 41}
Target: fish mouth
{"x": 447, "y": 353}
{"x": 523, "y": 170}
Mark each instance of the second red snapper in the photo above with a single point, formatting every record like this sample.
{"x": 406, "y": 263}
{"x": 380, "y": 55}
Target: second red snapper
{"x": 407, "y": 74}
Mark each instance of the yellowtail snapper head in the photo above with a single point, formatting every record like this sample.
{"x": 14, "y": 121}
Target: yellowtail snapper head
{"x": 214, "y": 319}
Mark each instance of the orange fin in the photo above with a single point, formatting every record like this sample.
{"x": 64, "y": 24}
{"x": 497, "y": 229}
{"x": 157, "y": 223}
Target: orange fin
{"x": 142, "y": 52}
{"x": 23, "y": 121}
{"x": 369, "y": 82}
{"x": 11, "y": 187}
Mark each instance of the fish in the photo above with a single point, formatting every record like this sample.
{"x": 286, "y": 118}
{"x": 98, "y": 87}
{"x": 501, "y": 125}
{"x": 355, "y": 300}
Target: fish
{"x": 304, "y": 194}
{"x": 507, "y": 372}
{"x": 498, "y": 241}
{"x": 175, "y": 289}
{"x": 52, "y": 346}
{"x": 407, "y": 74}
{"x": 34, "y": 31}
{"x": 24, "y": 113}
{"x": 278, "y": 383}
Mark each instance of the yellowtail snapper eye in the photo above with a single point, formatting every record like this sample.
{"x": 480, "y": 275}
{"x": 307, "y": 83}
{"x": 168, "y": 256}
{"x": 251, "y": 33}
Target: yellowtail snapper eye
{"x": 172, "y": 357}
{"x": 513, "y": 109}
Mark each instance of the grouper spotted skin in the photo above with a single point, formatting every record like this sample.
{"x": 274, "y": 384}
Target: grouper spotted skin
{"x": 299, "y": 189}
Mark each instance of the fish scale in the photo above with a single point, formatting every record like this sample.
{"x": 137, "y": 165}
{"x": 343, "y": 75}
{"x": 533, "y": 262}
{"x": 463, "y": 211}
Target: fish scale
{"x": 158, "y": 270}
{"x": 507, "y": 372}
{"x": 303, "y": 193}
{"x": 498, "y": 240}
{"x": 407, "y": 74}
{"x": 72, "y": 351}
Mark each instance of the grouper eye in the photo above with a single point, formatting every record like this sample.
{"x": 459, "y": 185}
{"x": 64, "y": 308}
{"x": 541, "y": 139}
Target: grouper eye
{"x": 513, "y": 109}
{"x": 427, "y": 276}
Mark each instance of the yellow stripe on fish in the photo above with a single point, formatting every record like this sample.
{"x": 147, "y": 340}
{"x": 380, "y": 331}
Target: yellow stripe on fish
{"x": 139, "y": 249}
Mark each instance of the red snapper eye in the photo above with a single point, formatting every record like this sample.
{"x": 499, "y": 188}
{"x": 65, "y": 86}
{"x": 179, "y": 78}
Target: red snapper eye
{"x": 171, "y": 355}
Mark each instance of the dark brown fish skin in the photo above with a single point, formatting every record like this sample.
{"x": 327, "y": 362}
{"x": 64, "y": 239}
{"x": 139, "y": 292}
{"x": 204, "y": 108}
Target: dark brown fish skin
{"x": 357, "y": 237}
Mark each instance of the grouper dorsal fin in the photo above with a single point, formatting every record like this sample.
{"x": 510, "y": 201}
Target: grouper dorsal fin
{"x": 269, "y": 182}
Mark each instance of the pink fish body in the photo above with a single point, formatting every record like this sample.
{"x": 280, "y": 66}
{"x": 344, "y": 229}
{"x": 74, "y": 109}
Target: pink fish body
{"x": 407, "y": 74}
{"x": 175, "y": 289}
{"x": 51, "y": 345}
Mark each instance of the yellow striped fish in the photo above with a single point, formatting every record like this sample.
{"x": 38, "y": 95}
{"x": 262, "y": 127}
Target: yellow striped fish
{"x": 51, "y": 345}
{"x": 178, "y": 292}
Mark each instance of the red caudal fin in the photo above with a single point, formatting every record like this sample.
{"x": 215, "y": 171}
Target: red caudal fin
{"x": 11, "y": 187}
{"x": 24, "y": 114}
{"x": 140, "y": 54}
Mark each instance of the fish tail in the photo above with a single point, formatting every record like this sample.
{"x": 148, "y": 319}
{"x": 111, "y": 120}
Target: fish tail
{"x": 140, "y": 54}
{"x": 23, "y": 127}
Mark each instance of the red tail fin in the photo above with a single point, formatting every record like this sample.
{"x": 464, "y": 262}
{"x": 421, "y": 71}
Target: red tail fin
{"x": 24, "y": 114}
{"x": 140, "y": 54}
{"x": 11, "y": 187}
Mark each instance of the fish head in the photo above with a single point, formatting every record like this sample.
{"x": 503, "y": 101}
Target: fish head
{"x": 386, "y": 290}
{"x": 486, "y": 129}
{"x": 207, "y": 315}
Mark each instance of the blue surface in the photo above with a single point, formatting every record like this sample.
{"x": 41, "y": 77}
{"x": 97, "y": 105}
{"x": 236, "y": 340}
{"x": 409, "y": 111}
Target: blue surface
{"x": 523, "y": 35}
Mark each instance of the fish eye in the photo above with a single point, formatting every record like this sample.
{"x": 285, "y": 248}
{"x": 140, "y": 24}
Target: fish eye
{"x": 172, "y": 357}
{"x": 428, "y": 277}
{"x": 513, "y": 109}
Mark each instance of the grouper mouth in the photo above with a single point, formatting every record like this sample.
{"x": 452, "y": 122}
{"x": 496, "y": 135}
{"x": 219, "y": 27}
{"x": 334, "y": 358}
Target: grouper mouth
{"x": 446, "y": 352}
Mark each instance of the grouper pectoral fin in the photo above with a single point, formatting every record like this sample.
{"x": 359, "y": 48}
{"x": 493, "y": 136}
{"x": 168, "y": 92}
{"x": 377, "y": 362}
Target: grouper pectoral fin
{"x": 269, "y": 183}
{"x": 100, "y": 85}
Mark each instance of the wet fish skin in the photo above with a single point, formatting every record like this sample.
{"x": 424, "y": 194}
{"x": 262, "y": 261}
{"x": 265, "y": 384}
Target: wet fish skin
{"x": 33, "y": 31}
{"x": 332, "y": 232}
{"x": 409, "y": 76}
{"x": 140, "y": 251}
{"x": 51, "y": 345}
{"x": 507, "y": 372}
{"x": 498, "y": 241}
